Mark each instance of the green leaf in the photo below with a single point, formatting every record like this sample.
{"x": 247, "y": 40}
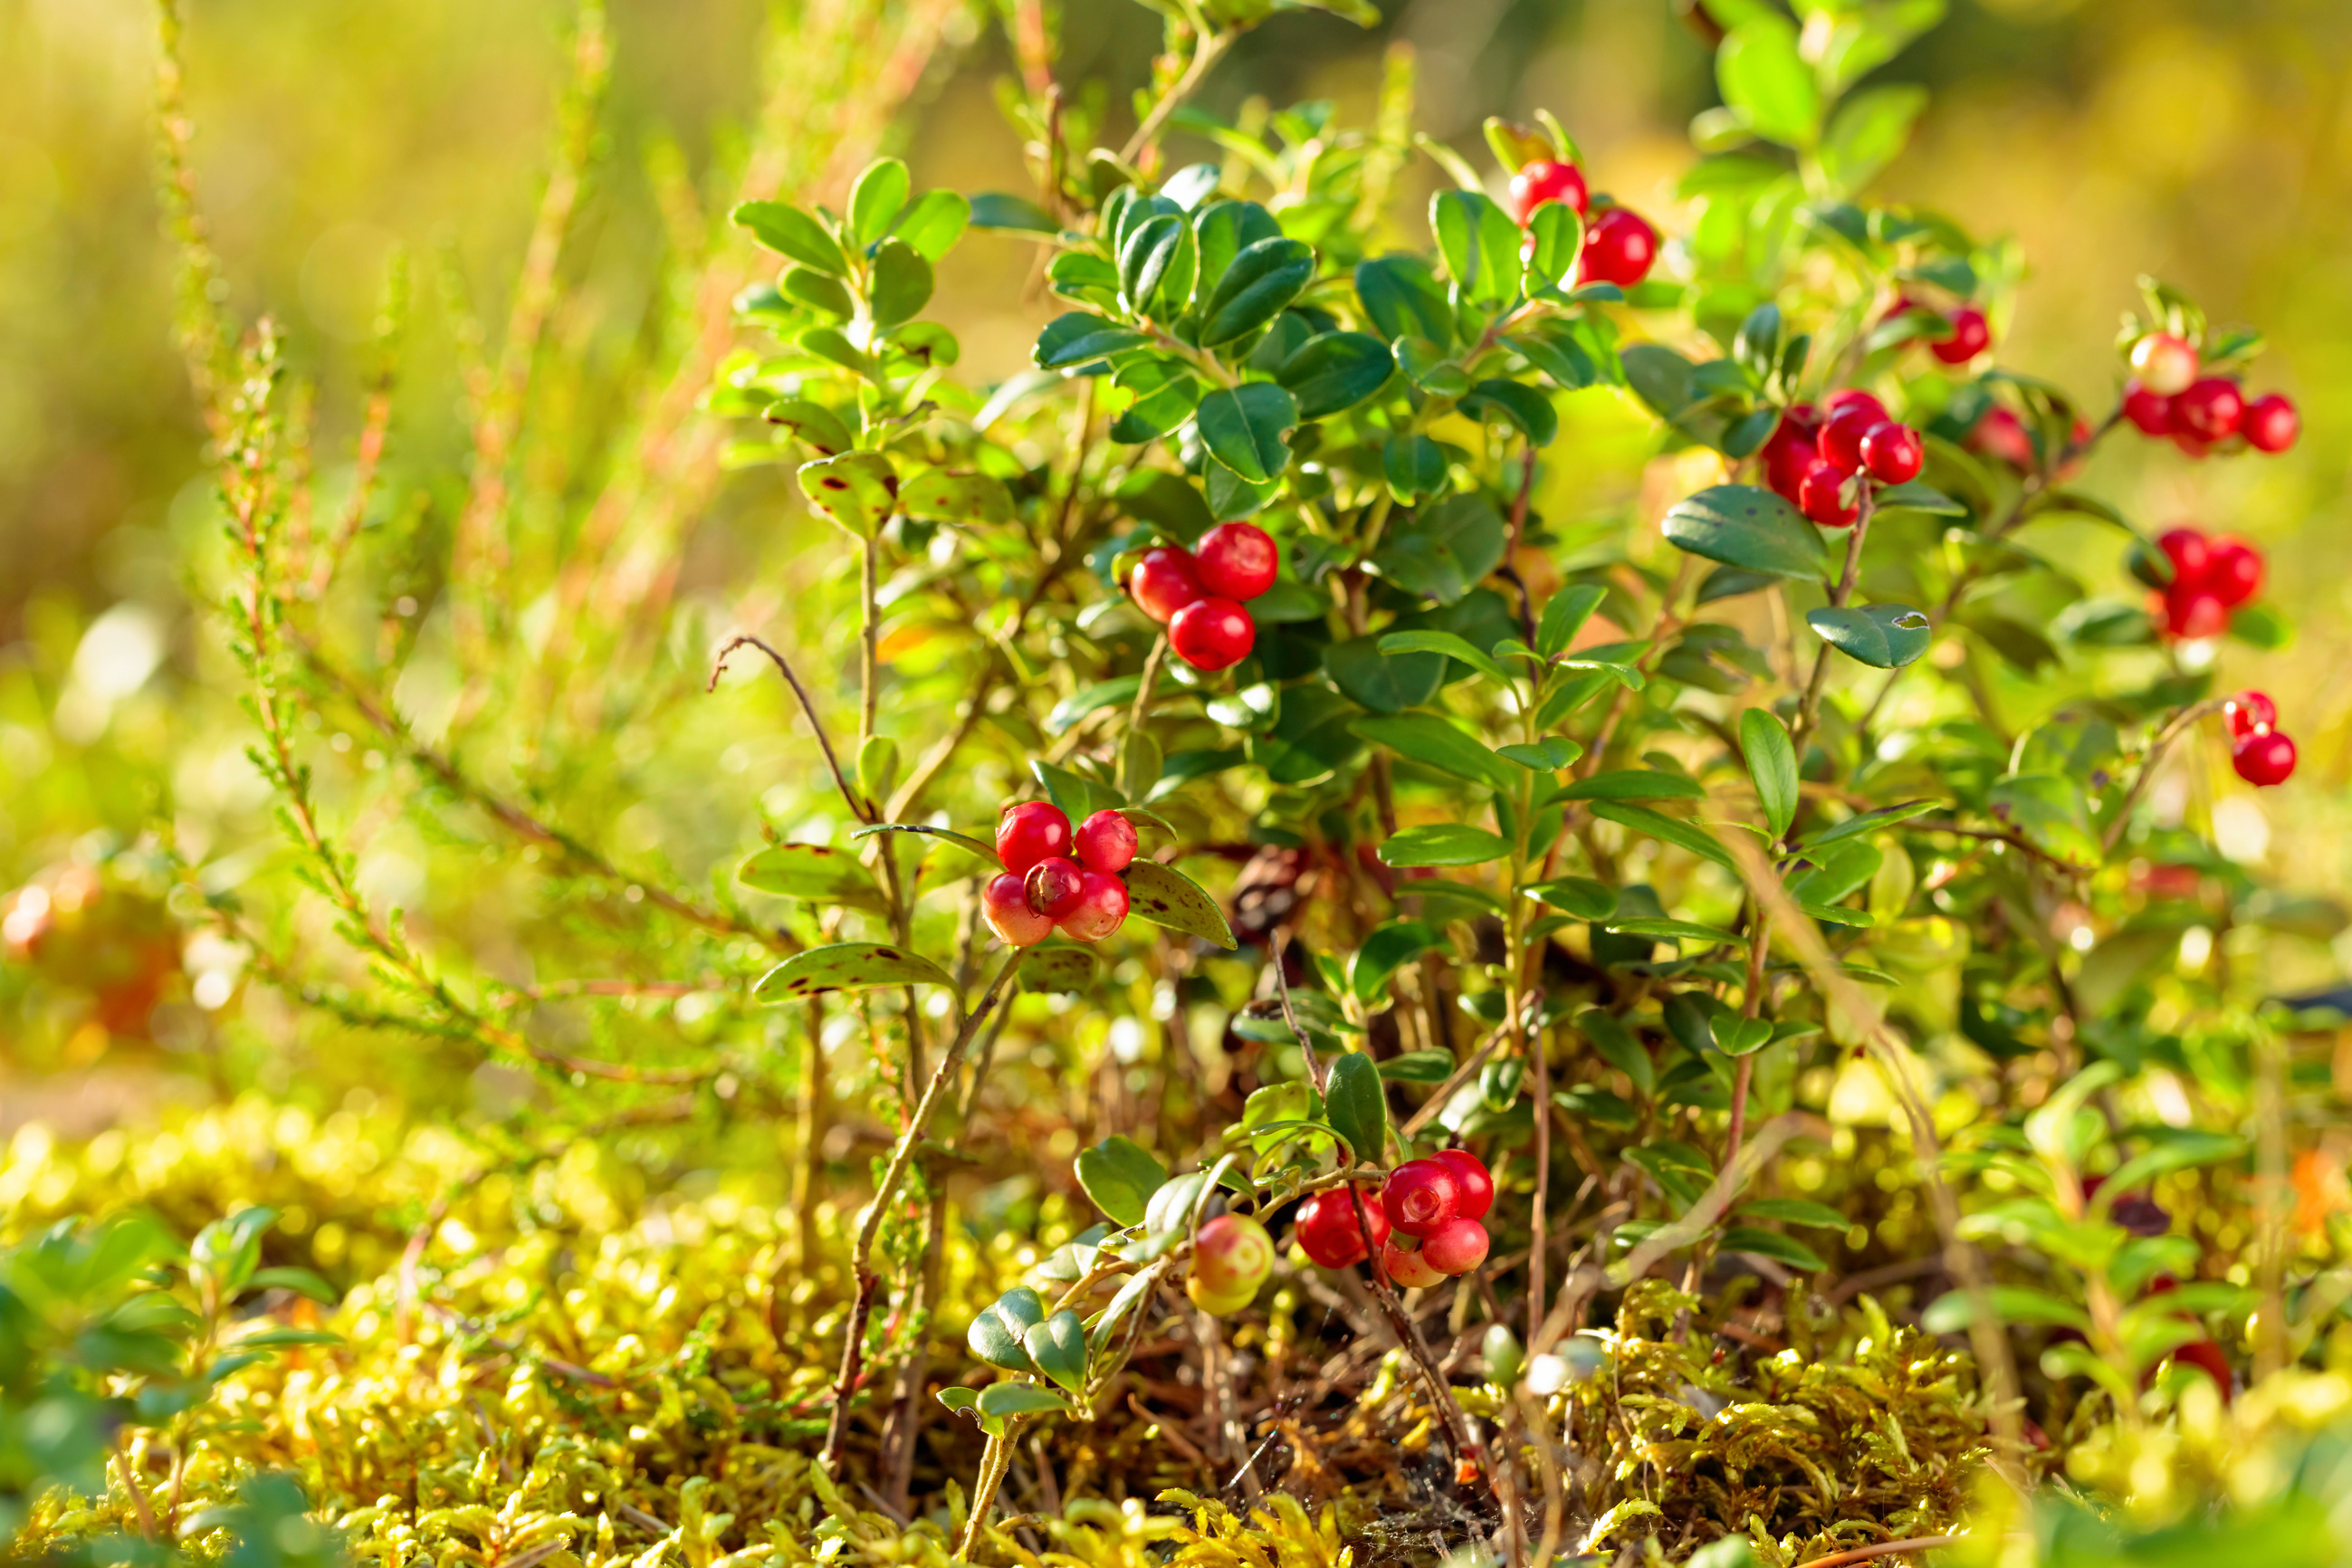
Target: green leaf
{"x": 1914, "y": 496}
{"x": 1147, "y": 255}
{"x": 1617, "y": 1047}
{"x": 859, "y": 491}
{"x": 1386, "y": 949}
{"x": 1443, "y": 844}
{"x": 1414, "y": 466}
{"x": 829, "y": 343}
{"x": 1656, "y": 825}
{"x": 810, "y": 871}
{"x": 1445, "y": 643}
{"x": 1867, "y": 132}
{"x": 933, "y": 223}
{"x": 1016, "y": 215}
{"x": 1078, "y": 795}
{"x": 1382, "y": 681}
{"x": 1335, "y": 371}
{"x": 1772, "y": 763}
{"x": 1634, "y": 784}
{"x": 1771, "y": 1244}
{"x": 1002, "y": 1402}
{"x": 848, "y": 966}
{"x": 1221, "y": 231}
{"x": 955, "y": 495}
{"x": 1764, "y": 76}
{"x": 1955, "y": 1309}
{"x": 985, "y": 852}
{"x": 302, "y": 1282}
{"x": 1579, "y": 896}
{"x": 1418, "y": 1066}
{"x": 1263, "y": 278}
{"x": 876, "y": 199}
{"x": 1884, "y": 636}
{"x": 1166, "y": 394}
{"x": 996, "y": 1333}
{"x": 1058, "y": 968}
{"x": 1166, "y": 897}
{"x": 825, "y": 295}
{"x": 902, "y": 283}
{"x": 1564, "y": 616}
{"x": 1058, "y": 1346}
{"x": 1402, "y": 296}
{"x": 1677, "y": 931}
{"x": 1080, "y": 337}
{"x": 1425, "y": 364}
{"x": 1443, "y": 551}
{"x": 819, "y": 426}
{"x": 1120, "y": 1176}
{"x": 789, "y": 231}
{"x": 2050, "y": 812}
{"x": 1870, "y": 822}
{"x": 1243, "y": 429}
{"x": 1479, "y": 242}
{"x": 1795, "y": 1211}
{"x": 1354, "y": 1104}
{"x": 1741, "y": 525}
{"x": 1114, "y": 693}
{"x": 1559, "y": 235}
{"x": 1426, "y": 739}
{"x": 1548, "y": 755}
{"x": 1524, "y": 408}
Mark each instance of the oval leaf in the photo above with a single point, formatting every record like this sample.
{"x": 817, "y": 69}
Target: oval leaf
{"x": 810, "y": 871}
{"x": 1772, "y": 763}
{"x": 1243, "y": 427}
{"x": 1884, "y": 636}
{"x": 1443, "y": 844}
{"x": 1166, "y": 897}
{"x": 1120, "y": 1176}
{"x": 1354, "y": 1105}
{"x": 1058, "y": 1346}
{"x": 1741, "y": 525}
{"x": 1264, "y": 277}
{"x": 848, "y": 966}
{"x": 857, "y": 489}
{"x": 1335, "y": 372}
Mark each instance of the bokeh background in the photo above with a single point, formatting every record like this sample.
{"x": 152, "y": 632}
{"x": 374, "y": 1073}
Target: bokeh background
{"x": 2209, "y": 144}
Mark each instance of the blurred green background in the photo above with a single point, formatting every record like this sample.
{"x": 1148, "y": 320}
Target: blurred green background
{"x": 2208, "y": 143}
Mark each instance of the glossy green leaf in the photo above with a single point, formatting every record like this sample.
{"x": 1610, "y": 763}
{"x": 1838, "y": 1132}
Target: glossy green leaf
{"x": 1765, "y": 78}
{"x": 1010, "y": 214}
{"x": 1335, "y": 370}
{"x": 1524, "y": 408}
{"x": 848, "y": 966}
{"x": 1443, "y": 551}
{"x": 1741, "y": 525}
{"x": 1772, "y": 763}
{"x": 1058, "y": 968}
{"x": 789, "y": 231}
{"x": 955, "y": 495}
{"x": 1479, "y": 242}
{"x": 999, "y": 1329}
{"x": 1220, "y": 232}
{"x": 1387, "y": 949}
{"x": 1450, "y": 646}
{"x": 810, "y": 871}
{"x": 901, "y": 283}
{"x": 1404, "y": 297}
{"x": 1442, "y": 844}
{"x": 1418, "y": 1066}
{"x": 1354, "y": 1104}
{"x": 1166, "y": 897}
{"x": 1244, "y": 427}
{"x": 1433, "y": 743}
{"x": 1080, "y": 337}
{"x": 1382, "y": 682}
{"x": 1795, "y": 1211}
{"x": 1166, "y": 394}
{"x": 1564, "y": 616}
{"x": 1156, "y": 254}
{"x": 1004, "y": 1402}
{"x": 1414, "y": 466}
{"x": 1579, "y": 896}
{"x": 1120, "y": 1176}
{"x": 826, "y": 295}
{"x": 1058, "y": 1347}
{"x": 1425, "y": 364}
{"x": 1670, "y": 830}
{"x": 1263, "y": 278}
{"x": 1884, "y": 636}
{"x": 876, "y": 199}
{"x": 932, "y": 223}
{"x": 1634, "y": 784}
{"x": 1771, "y": 1244}
{"x": 819, "y": 427}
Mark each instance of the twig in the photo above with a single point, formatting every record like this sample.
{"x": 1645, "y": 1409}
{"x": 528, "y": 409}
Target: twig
{"x": 1882, "y": 1549}
{"x": 1197, "y": 68}
{"x": 2171, "y": 732}
{"x": 1290, "y": 1014}
{"x": 718, "y": 666}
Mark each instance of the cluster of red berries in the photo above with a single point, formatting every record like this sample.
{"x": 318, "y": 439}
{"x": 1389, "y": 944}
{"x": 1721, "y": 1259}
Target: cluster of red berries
{"x": 2259, "y": 750}
{"x": 2168, "y": 398}
{"x": 2211, "y": 577}
{"x": 1198, "y": 593}
{"x": 1966, "y": 333}
{"x": 1424, "y": 1220}
{"x": 1812, "y": 454}
{"x": 1620, "y": 245}
{"x": 1054, "y": 878}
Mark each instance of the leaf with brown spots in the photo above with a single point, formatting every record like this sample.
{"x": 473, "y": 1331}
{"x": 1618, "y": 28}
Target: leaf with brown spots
{"x": 848, "y": 966}
{"x": 1168, "y": 898}
{"x": 857, "y": 489}
{"x": 811, "y": 871}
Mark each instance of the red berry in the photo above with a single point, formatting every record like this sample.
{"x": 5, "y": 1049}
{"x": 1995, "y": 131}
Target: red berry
{"x": 2193, "y": 611}
{"x": 1231, "y": 1254}
{"x": 2191, "y": 552}
{"x": 2247, "y": 711}
{"x": 1327, "y": 1226}
{"x": 1164, "y": 582}
{"x": 1106, "y": 842}
{"x": 1420, "y": 1195}
{"x": 2210, "y": 410}
{"x": 1458, "y": 1246}
{"x": 1054, "y": 886}
{"x": 1410, "y": 1269}
{"x": 1846, "y": 398}
{"x": 1790, "y": 448}
{"x": 2166, "y": 363}
{"x": 2264, "y": 757}
{"x": 1471, "y": 1179}
{"x": 1999, "y": 435}
{"x": 2270, "y": 424}
{"x": 1542, "y": 182}
{"x": 1893, "y": 453}
{"x": 2235, "y": 573}
{"x": 1100, "y": 908}
{"x": 2146, "y": 409}
{"x": 1619, "y": 247}
{"x": 1213, "y": 634}
{"x": 1030, "y": 832}
{"x": 1840, "y": 439}
{"x": 1971, "y": 336}
{"x": 1004, "y": 904}
{"x": 1236, "y": 560}
{"x": 2207, "y": 1357}
{"x": 1820, "y": 496}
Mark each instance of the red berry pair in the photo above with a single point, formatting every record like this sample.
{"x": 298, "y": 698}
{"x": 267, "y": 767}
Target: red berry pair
{"x": 1054, "y": 878}
{"x": 1436, "y": 1203}
{"x": 1966, "y": 333}
{"x": 2211, "y": 577}
{"x": 1619, "y": 247}
{"x": 1197, "y": 593}
{"x": 1809, "y": 457}
{"x": 2259, "y": 750}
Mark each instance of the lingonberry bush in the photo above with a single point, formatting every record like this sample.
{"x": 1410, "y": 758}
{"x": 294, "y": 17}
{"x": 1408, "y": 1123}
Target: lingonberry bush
{"x": 1596, "y": 876}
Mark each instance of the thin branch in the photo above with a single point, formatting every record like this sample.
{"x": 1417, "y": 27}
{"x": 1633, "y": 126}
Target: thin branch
{"x": 857, "y": 803}
{"x": 1882, "y": 1549}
